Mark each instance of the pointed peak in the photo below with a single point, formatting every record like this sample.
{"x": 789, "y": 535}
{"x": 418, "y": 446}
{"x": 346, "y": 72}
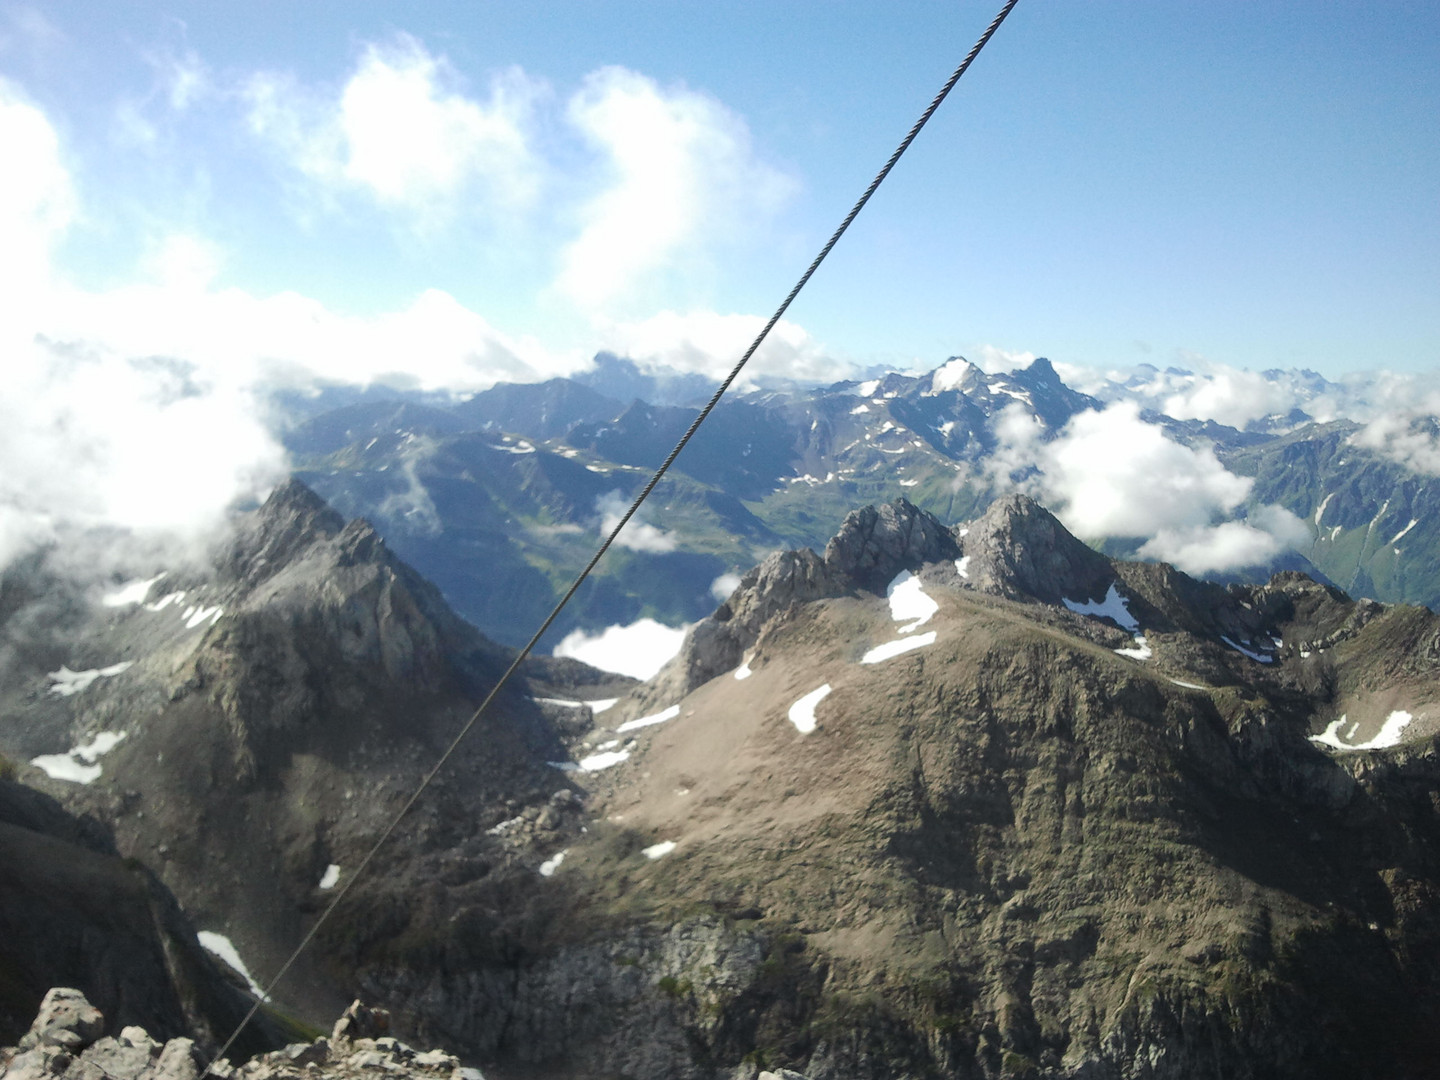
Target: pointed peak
{"x": 295, "y": 497}
{"x": 291, "y": 519}
{"x": 876, "y": 543}
{"x": 955, "y": 374}
{"x": 1041, "y": 368}
{"x": 1020, "y": 549}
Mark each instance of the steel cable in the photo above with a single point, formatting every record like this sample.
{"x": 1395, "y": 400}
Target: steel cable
{"x": 524, "y": 653}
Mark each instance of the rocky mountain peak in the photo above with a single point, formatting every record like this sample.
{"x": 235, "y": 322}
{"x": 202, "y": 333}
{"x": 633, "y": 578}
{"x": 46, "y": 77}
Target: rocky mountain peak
{"x": 1018, "y": 550}
{"x": 876, "y": 543}
{"x": 872, "y": 546}
{"x": 1041, "y": 370}
{"x": 289, "y": 521}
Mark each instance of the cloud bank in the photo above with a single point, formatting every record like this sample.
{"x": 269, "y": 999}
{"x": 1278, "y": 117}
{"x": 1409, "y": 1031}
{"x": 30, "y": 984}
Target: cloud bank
{"x": 1111, "y": 474}
{"x": 637, "y": 534}
{"x": 638, "y": 650}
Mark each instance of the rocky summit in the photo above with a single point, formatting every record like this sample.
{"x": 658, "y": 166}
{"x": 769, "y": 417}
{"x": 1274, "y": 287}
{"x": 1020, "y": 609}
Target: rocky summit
{"x": 969, "y": 801}
{"x": 244, "y": 730}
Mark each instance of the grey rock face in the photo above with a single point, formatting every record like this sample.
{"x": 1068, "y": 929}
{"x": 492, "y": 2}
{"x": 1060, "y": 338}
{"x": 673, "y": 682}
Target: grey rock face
{"x": 134, "y": 1055}
{"x": 876, "y": 543}
{"x": 873, "y": 545}
{"x": 66, "y": 1020}
{"x": 1018, "y": 550}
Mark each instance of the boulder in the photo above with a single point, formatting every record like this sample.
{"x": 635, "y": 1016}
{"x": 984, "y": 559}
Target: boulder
{"x": 65, "y": 1020}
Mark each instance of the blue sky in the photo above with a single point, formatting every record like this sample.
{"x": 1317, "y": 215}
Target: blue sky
{"x": 202, "y": 203}
{"x": 1239, "y": 184}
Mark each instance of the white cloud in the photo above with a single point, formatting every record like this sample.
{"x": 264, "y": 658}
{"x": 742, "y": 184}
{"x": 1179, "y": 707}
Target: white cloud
{"x": 184, "y": 79}
{"x": 92, "y": 438}
{"x": 994, "y": 360}
{"x": 1018, "y": 434}
{"x": 638, "y": 650}
{"x": 1408, "y": 436}
{"x": 403, "y": 131}
{"x": 1230, "y": 544}
{"x": 141, "y": 408}
{"x": 711, "y": 344}
{"x": 1110, "y": 474}
{"x": 684, "y": 175}
{"x": 1229, "y": 396}
{"x": 294, "y": 341}
{"x": 1116, "y": 475}
{"x": 723, "y": 586}
{"x": 183, "y": 262}
{"x": 37, "y": 199}
{"x": 637, "y": 535}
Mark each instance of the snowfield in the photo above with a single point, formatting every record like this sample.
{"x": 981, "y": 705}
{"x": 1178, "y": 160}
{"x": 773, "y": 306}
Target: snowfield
{"x": 802, "y": 713}
{"x": 81, "y": 764}
{"x": 895, "y": 648}
{"x": 646, "y": 721}
{"x": 1389, "y": 734}
{"x": 1114, "y": 606}
{"x": 908, "y": 601}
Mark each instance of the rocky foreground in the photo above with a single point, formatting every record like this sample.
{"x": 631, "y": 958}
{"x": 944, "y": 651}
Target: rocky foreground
{"x": 67, "y": 1040}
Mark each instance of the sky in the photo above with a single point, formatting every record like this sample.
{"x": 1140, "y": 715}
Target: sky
{"x": 203, "y": 202}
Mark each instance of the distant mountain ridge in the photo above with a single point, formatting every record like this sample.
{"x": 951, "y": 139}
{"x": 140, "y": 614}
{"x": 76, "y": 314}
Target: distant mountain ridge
{"x": 500, "y": 498}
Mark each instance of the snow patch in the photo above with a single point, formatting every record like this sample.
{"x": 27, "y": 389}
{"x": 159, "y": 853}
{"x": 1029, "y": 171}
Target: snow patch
{"x": 1320, "y": 510}
{"x": 132, "y": 592}
{"x": 802, "y": 713}
{"x": 1395, "y": 539}
{"x": 550, "y": 865}
{"x": 1114, "y": 606}
{"x": 506, "y": 825}
{"x": 865, "y": 389}
{"x": 896, "y": 648}
{"x": 222, "y": 947}
{"x": 646, "y": 721}
{"x": 1189, "y": 685}
{"x": 658, "y": 851}
{"x": 596, "y": 762}
{"x": 1141, "y": 651}
{"x": 908, "y": 601}
{"x": 80, "y": 765}
{"x": 858, "y": 409}
{"x": 202, "y": 614}
{"x": 599, "y": 705}
{"x": 1117, "y": 608}
{"x": 743, "y": 671}
{"x": 67, "y": 682}
{"x": 166, "y": 600}
{"x": 1259, "y": 658}
{"x": 64, "y": 767}
{"x": 331, "y": 877}
{"x": 908, "y": 483}
{"x": 962, "y": 566}
{"x": 1388, "y": 735}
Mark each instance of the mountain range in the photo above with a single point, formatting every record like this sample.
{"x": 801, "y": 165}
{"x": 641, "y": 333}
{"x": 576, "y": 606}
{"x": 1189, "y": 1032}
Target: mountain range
{"x": 500, "y": 498}
{"x": 967, "y": 799}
